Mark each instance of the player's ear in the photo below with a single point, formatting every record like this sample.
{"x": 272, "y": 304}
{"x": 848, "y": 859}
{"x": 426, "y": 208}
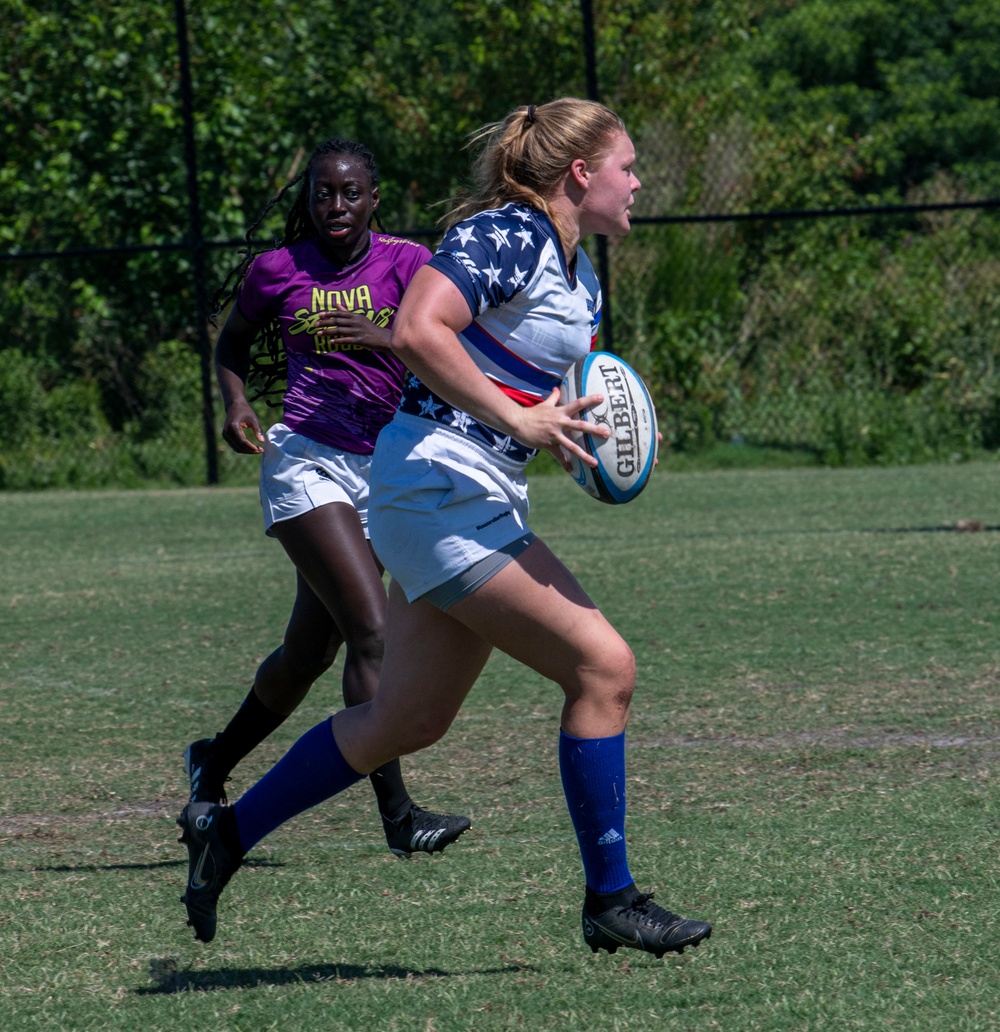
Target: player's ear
{"x": 579, "y": 173}
{"x": 375, "y": 197}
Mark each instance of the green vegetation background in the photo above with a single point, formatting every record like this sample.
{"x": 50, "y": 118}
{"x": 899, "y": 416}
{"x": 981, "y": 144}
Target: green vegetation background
{"x": 837, "y": 340}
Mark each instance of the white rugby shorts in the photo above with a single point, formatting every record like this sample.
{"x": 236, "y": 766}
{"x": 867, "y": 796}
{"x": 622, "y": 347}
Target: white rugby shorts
{"x": 298, "y": 474}
{"x": 440, "y": 503}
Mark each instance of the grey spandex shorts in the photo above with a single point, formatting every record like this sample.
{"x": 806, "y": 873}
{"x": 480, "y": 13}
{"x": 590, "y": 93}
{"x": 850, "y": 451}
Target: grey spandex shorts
{"x": 444, "y": 596}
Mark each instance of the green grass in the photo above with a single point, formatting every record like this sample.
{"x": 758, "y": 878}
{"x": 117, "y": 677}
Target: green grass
{"x": 812, "y": 759}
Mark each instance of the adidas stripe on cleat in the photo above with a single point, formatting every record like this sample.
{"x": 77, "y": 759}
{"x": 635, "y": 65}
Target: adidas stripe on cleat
{"x": 420, "y": 831}
{"x": 206, "y": 785}
{"x": 641, "y": 925}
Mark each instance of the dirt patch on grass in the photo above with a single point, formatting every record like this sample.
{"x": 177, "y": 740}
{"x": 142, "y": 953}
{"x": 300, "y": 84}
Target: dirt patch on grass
{"x": 35, "y": 824}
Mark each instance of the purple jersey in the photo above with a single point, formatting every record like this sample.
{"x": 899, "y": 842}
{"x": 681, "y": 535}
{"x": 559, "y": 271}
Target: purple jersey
{"x": 339, "y": 396}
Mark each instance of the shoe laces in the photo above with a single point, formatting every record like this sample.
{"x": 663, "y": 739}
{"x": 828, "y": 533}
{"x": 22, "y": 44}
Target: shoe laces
{"x": 644, "y": 908}
{"x": 398, "y": 822}
{"x": 206, "y": 776}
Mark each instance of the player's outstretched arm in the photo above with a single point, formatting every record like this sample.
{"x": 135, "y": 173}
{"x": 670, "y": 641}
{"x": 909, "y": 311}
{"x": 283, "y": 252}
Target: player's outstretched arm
{"x": 425, "y": 338}
{"x": 232, "y": 365}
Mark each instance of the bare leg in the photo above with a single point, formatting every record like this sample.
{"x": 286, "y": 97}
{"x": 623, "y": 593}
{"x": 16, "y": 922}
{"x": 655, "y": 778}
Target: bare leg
{"x": 335, "y": 561}
{"x": 536, "y": 612}
{"x": 340, "y": 599}
{"x": 310, "y": 646}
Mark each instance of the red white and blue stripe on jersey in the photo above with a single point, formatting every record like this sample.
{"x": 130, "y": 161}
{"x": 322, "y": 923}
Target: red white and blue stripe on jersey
{"x": 530, "y": 319}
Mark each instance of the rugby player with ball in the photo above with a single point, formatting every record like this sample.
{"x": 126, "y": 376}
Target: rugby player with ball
{"x": 488, "y": 328}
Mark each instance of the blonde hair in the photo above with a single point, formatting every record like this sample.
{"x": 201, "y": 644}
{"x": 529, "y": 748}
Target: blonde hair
{"x": 524, "y": 156}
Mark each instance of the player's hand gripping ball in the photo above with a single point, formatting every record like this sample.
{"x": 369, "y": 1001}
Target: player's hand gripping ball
{"x": 626, "y": 458}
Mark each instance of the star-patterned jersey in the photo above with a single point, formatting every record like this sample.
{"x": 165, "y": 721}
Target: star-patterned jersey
{"x": 531, "y": 320}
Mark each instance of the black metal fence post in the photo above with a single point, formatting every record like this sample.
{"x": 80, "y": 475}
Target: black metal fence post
{"x": 590, "y": 58}
{"x": 197, "y": 243}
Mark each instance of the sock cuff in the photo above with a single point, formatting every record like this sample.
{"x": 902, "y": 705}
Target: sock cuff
{"x": 324, "y": 730}
{"x": 593, "y": 753}
{"x": 606, "y": 738}
{"x": 313, "y": 770}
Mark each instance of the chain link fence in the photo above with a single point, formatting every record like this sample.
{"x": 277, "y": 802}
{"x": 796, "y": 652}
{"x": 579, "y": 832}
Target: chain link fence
{"x": 850, "y": 334}
{"x": 847, "y": 334}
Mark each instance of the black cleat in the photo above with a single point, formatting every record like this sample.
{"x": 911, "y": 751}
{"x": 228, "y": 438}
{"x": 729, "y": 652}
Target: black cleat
{"x": 419, "y": 831}
{"x": 210, "y": 865}
{"x": 642, "y": 925}
{"x": 206, "y": 785}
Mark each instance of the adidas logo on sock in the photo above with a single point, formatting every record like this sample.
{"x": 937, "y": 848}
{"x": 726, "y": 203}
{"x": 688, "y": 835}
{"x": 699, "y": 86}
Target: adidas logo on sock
{"x": 609, "y": 838}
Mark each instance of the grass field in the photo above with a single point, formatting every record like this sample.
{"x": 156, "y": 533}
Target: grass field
{"x": 812, "y": 767}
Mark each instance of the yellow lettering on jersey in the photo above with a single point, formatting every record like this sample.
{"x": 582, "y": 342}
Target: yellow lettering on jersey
{"x": 305, "y": 322}
{"x": 356, "y": 299}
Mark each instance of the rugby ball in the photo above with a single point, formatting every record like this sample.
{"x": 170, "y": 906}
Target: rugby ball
{"x": 626, "y": 458}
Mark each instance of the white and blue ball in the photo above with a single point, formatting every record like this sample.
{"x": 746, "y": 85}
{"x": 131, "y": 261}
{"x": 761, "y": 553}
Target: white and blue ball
{"x": 625, "y": 460}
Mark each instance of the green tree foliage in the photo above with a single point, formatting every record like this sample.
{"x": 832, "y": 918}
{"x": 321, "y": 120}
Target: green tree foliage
{"x": 735, "y": 105}
{"x": 914, "y": 85}
{"x": 860, "y": 339}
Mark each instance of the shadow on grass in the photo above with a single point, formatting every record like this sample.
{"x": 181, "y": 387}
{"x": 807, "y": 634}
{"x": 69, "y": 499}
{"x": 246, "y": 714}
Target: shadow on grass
{"x": 163, "y": 971}
{"x": 962, "y": 527}
{"x": 152, "y": 866}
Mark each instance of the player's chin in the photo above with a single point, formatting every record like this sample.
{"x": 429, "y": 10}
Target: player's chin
{"x": 624, "y": 225}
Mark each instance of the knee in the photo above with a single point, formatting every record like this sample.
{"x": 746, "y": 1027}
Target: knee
{"x": 301, "y": 665}
{"x": 424, "y": 733}
{"x": 613, "y": 662}
{"x": 621, "y": 672}
{"x": 366, "y": 641}
{"x": 412, "y": 735}
{"x": 607, "y": 675}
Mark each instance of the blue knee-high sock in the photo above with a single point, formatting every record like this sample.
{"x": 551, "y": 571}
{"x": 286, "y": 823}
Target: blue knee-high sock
{"x": 593, "y": 777}
{"x": 312, "y": 770}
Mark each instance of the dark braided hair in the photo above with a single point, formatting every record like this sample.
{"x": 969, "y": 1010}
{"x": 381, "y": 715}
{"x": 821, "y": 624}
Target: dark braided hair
{"x": 268, "y": 361}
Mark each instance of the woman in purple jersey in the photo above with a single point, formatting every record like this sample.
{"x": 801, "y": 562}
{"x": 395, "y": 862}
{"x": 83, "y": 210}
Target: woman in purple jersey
{"x": 487, "y": 328}
{"x": 324, "y": 301}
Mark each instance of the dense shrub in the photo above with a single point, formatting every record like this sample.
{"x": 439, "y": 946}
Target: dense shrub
{"x": 859, "y": 340}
